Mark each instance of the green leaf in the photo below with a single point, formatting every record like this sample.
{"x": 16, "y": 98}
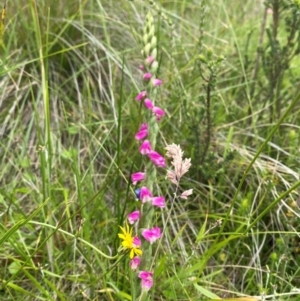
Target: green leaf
{"x": 14, "y": 267}
{"x": 201, "y": 233}
{"x": 206, "y": 292}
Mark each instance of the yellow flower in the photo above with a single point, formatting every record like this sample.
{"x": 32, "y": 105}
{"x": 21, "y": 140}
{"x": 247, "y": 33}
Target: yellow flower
{"x": 130, "y": 243}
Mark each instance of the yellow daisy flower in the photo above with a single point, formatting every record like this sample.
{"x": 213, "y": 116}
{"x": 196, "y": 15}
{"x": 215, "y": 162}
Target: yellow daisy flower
{"x": 130, "y": 243}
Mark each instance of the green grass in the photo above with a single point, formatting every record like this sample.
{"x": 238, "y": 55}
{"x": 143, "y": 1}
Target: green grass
{"x": 68, "y": 78}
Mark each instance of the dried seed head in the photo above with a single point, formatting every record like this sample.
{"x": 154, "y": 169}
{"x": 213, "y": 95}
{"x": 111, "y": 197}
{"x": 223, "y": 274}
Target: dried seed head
{"x": 174, "y": 151}
{"x": 181, "y": 166}
{"x": 186, "y": 193}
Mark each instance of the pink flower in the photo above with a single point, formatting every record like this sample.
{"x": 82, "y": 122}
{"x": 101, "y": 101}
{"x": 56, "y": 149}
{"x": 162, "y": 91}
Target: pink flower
{"x": 151, "y": 235}
{"x": 158, "y": 112}
{"x": 149, "y": 60}
{"x": 148, "y": 103}
{"x": 135, "y": 262}
{"x": 133, "y": 216}
{"x": 147, "y": 279}
{"x": 145, "y": 147}
{"x": 136, "y": 242}
{"x": 147, "y": 76}
{"x": 144, "y": 126}
{"x": 138, "y": 176}
{"x": 156, "y": 158}
{"x": 142, "y": 133}
{"x": 156, "y": 82}
{"x": 141, "y": 96}
{"x": 141, "y": 67}
{"x": 145, "y": 195}
{"x": 159, "y": 201}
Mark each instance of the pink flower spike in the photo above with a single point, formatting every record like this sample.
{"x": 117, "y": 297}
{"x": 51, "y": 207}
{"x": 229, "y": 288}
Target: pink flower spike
{"x": 142, "y": 133}
{"x": 145, "y": 195}
{"x": 149, "y": 60}
{"x": 133, "y": 216}
{"x": 135, "y": 262}
{"x": 157, "y": 159}
{"x": 138, "y": 176}
{"x": 141, "y": 67}
{"x": 148, "y": 103}
{"x": 151, "y": 235}
{"x": 136, "y": 242}
{"x": 147, "y": 76}
{"x": 159, "y": 201}
{"x": 147, "y": 279}
{"x": 156, "y": 82}
{"x": 141, "y": 96}
{"x": 158, "y": 112}
{"x": 145, "y": 147}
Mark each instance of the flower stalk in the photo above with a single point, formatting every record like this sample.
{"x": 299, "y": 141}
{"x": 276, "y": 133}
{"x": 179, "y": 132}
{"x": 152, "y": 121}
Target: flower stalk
{"x": 141, "y": 250}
